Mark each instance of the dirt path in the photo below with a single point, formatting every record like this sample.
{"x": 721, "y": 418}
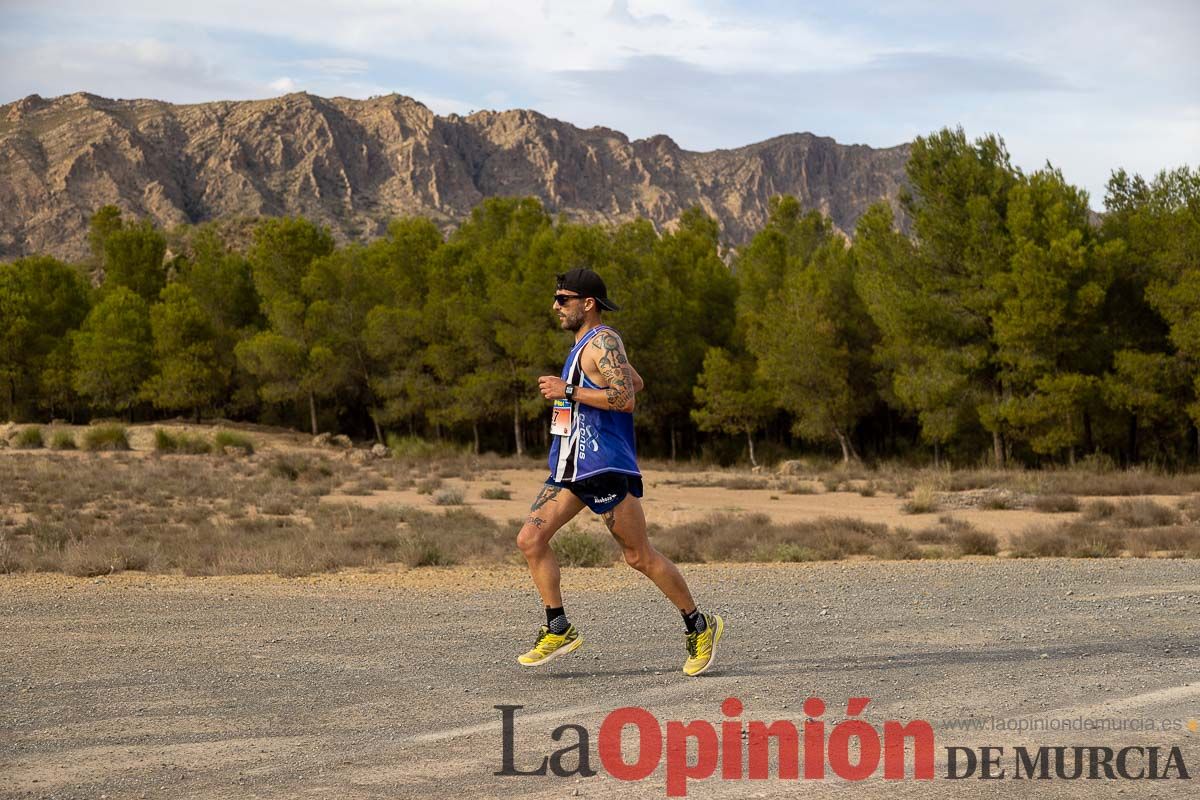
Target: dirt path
{"x": 383, "y": 685}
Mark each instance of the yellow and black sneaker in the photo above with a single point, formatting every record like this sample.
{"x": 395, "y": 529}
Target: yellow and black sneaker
{"x": 702, "y": 647}
{"x": 550, "y": 646}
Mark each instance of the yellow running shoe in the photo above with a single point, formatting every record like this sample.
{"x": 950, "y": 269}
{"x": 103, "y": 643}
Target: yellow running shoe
{"x": 702, "y": 647}
{"x": 550, "y": 646}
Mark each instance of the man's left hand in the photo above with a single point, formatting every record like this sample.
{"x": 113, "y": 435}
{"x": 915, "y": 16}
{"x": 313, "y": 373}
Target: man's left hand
{"x": 552, "y": 388}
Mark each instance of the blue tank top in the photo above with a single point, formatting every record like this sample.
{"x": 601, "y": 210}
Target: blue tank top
{"x": 599, "y": 440}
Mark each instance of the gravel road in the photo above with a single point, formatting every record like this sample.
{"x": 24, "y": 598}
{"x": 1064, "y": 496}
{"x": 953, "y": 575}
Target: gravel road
{"x": 383, "y": 685}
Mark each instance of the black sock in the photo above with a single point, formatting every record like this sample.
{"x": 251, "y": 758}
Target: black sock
{"x": 556, "y": 620}
{"x": 695, "y": 621}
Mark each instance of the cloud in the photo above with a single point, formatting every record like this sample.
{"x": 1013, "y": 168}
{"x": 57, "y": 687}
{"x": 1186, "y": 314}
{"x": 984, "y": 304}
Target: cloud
{"x": 1086, "y": 90}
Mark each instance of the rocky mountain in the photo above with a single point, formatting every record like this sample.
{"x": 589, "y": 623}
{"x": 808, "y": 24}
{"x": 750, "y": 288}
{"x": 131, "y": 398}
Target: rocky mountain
{"x": 355, "y": 164}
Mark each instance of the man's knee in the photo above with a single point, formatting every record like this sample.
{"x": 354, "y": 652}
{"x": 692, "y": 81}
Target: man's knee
{"x": 639, "y": 559}
{"x": 531, "y": 538}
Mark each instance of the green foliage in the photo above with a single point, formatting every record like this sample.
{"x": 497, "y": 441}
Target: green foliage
{"x": 935, "y": 302}
{"x": 223, "y": 441}
{"x": 166, "y": 442}
{"x": 133, "y": 258}
{"x": 189, "y": 373}
{"x": 994, "y": 316}
{"x": 62, "y": 440}
{"x": 729, "y": 399}
{"x": 106, "y": 437}
{"x": 112, "y": 350}
{"x": 28, "y": 438}
{"x": 41, "y": 301}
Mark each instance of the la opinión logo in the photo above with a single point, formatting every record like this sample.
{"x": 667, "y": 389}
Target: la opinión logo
{"x": 722, "y": 745}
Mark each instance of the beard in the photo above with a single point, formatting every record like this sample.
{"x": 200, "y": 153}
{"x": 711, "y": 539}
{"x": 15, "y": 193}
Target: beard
{"x": 572, "y": 321}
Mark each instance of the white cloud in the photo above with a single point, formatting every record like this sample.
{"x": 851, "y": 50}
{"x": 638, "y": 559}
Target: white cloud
{"x": 1090, "y": 90}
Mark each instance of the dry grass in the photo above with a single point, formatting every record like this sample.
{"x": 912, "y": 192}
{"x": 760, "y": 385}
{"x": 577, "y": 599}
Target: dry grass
{"x": 576, "y": 548}
{"x": 166, "y": 442}
{"x": 753, "y": 537}
{"x": 233, "y": 442}
{"x": 1137, "y": 513}
{"x": 106, "y": 437}
{"x": 95, "y": 516}
{"x": 28, "y": 438}
{"x": 62, "y": 440}
{"x": 496, "y": 493}
{"x": 448, "y": 497}
{"x": 923, "y": 500}
{"x": 1055, "y": 503}
{"x": 1078, "y": 539}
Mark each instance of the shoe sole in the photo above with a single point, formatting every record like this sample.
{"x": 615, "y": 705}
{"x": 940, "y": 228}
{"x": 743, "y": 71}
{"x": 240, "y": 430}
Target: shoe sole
{"x": 566, "y": 648}
{"x": 713, "y": 654}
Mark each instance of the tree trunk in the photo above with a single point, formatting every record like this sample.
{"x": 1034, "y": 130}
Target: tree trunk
{"x": 750, "y": 442}
{"x": 673, "y": 442}
{"x": 1133, "y": 440}
{"x": 312, "y": 411}
{"x": 1089, "y": 443}
{"x": 998, "y": 449}
{"x": 475, "y": 430}
{"x": 848, "y": 452}
{"x": 378, "y": 432}
{"x": 937, "y": 455}
{"x": 518, "y": 433}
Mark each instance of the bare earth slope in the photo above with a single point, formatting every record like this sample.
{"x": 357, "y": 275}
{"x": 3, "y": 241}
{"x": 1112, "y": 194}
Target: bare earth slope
{"x": 355, "y": 164}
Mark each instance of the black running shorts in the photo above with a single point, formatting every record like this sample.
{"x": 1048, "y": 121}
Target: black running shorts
{"x": 604, "y": 491}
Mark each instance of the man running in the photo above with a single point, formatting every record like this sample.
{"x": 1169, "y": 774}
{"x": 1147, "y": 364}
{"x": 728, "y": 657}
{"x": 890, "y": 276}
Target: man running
{"x": 593, "y": 463}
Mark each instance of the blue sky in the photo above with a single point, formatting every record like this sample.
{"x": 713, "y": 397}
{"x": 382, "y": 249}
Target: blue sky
{"x": 1086, "y": 86}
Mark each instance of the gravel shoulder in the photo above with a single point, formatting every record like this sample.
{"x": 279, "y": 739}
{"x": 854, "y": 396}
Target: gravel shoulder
{"x": 365, "y": 685}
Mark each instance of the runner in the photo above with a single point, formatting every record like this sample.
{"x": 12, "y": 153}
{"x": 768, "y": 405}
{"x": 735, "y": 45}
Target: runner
{"x": 593, "y": 463}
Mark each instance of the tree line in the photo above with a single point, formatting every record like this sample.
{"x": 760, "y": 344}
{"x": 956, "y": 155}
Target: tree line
{"x": 1001, "y": 322}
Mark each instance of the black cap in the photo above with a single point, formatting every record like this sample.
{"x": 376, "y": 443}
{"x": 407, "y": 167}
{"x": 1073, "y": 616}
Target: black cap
{"x": 586, "y": 283}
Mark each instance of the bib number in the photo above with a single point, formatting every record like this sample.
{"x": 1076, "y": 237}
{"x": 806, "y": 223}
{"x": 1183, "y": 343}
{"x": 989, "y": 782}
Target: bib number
{"x": 560, "y": 418}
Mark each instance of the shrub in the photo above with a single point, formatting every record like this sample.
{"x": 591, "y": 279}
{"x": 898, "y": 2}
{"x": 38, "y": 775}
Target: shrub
{"x": 1039, "y": 542}
{"x": 923, "y": 501}
{"x": 576, "y": 548}
{"x": 106, "y": 437}
{"x": 448, "y": 497}
{"x": 29, "y": 438}
{"x": 224, "y": 441}
{"x": 1055, "y": 503}
{"x": 428, "y": 485}
{"x": 421, "y": 550}
{"x": 62, "y": 440}
{"x": 896, "y": 547}
{"x": 997, "y": 501}
{"x": 496, "y": 494}
{"x": 976, "y": 543}
{"x": 165, "y": 442}
{"x": 1145, "y": 513}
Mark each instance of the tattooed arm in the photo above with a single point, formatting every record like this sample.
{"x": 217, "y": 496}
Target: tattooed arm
{"x": 605, "y": 356}
{"x": 607, "y": 353}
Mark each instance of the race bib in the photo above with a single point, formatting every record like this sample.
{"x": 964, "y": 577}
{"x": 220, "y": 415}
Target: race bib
{"x": 560, "y": 418}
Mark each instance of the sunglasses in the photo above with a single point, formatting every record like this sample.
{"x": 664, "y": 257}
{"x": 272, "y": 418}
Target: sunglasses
{"x": 563, "y": 299}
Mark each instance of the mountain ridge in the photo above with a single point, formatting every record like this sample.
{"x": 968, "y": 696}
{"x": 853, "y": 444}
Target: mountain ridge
{"x": 355, "y": 164}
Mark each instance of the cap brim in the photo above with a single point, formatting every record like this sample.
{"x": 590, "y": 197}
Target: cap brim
{"x": 606, "y": 304}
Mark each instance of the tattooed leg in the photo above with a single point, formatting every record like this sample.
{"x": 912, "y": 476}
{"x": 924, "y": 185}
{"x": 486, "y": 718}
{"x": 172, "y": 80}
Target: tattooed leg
{"x": 552, "y": 509}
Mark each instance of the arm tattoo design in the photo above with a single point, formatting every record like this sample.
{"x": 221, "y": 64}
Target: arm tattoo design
{"x": 547, "y": 494}
{"x": 614, "y": 366}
